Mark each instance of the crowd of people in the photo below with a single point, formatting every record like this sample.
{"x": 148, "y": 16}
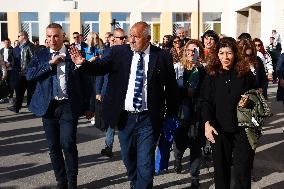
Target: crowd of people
{"x": 127, "y": 83}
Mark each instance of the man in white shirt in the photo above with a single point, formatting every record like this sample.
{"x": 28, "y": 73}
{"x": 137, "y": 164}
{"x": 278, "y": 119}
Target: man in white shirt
{"x": 8, "y": 62}
{"x": 60, "y": 99}
{"x": 141, "y": 93}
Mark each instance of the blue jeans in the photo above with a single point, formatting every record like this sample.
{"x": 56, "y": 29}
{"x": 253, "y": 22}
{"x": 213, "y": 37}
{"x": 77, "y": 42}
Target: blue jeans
{"x": 138, "y": 143}
{"x": 110, "y": 137}
{"x": 60, "y": 127}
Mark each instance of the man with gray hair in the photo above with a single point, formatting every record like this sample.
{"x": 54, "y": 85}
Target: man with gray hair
{"x": 60, "y": 98}
{"x": 27, "y": 52}
{"x": 181, "y": 34}
{"x": 141, "y": 93}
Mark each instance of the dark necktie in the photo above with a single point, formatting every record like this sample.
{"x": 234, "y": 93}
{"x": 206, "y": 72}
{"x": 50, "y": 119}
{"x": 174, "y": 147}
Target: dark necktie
{"x": 137, "y": 100}
{"x": 55, "y": 83}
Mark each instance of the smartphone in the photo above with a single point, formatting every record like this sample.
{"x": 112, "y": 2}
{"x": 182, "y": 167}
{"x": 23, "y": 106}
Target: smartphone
{"x": 196, "y": 55}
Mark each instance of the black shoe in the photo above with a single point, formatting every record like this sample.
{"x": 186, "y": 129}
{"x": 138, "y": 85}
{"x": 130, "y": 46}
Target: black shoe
{"x": 13, "y": 109}
{"x": 72, "y": 185}
{"x": 177, "y": 166}
{"x": 62, "y": 185}
{"x": 107, "y": 151}
{"x": 195, "y": 184}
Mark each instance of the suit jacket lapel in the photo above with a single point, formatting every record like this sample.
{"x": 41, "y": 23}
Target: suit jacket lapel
{"x": 69, "y": 65}
{"x": 151, "y": 64}
{"x": 128, "y": 60}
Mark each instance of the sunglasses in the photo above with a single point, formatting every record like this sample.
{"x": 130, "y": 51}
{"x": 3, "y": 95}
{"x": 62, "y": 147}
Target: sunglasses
{"x": 121, "y": 38}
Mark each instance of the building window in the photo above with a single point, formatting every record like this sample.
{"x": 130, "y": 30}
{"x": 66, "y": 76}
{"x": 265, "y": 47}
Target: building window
{"x": 62, "y": 18}
{"x": 212, "y": 21}
{"x": 153, "y": 19}
{"x": 182, "y": 20}
{"x": 122, "y": 20}
{"x": 3, "y": 25}
{"x": 29, "y": 23}
{"x": 90, "y": 23}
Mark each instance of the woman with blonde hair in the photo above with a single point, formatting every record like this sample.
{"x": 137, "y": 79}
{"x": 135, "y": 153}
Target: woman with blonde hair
{"x": 188, "y": 134}
{"x": 94, "y": 48}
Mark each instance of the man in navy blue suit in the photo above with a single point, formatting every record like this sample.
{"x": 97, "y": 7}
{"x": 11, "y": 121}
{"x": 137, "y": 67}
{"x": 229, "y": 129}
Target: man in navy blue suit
{"x": 59, "y": 99}
{"x": 141, "y": 93}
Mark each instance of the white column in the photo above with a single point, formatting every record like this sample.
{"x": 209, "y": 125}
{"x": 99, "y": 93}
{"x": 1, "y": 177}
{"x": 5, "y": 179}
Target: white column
{"x": 44, "y": 20}
{"x": 135, "y": 16}
{"x": 229, "y": 23}
{"x": 272, "y": 17}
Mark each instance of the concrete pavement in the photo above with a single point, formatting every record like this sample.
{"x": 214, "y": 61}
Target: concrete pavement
{"x": 25, "y": 164}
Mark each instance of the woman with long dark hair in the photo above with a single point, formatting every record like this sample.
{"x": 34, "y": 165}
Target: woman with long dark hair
{"x": 228, "y": 78}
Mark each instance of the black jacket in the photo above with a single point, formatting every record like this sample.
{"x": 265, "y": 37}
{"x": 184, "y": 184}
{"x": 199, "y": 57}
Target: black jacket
{"x": 161, "y": 83}
{"x": 220, "y": 95}
{"x": 27, "y": 54}
{"x": 10, "y": 56}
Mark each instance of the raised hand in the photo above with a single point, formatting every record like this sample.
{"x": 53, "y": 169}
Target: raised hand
{"x": 76, "y": 55}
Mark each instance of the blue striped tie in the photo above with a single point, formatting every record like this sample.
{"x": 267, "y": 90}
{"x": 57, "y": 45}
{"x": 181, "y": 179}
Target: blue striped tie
{"x": 55, "y": 83}
{"x": 137, "y": 100}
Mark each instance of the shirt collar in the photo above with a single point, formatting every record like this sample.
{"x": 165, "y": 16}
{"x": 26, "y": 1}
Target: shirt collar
{"x": 61, "y": 51}
{"x": 146, "y": 51}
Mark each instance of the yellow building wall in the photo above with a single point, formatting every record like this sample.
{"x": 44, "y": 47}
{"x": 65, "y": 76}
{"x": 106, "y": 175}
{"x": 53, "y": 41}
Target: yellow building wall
{"x": 75, "y": 24}
{"x": 105, "y": 20}
{"x": 166, "y": 24}
{"x": 13, "y": 19}
{"x": 194, "y": 25}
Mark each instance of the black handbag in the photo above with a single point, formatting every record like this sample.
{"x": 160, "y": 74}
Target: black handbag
{"x": 4, "y": 89}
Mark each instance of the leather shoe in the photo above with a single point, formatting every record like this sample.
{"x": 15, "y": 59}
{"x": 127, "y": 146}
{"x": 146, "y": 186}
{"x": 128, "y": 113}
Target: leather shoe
{"x": 107, "y": 151}
{"x": 177, "y": 166}
{"x": 62, "y": 185}
{"x": 13, "y": 109}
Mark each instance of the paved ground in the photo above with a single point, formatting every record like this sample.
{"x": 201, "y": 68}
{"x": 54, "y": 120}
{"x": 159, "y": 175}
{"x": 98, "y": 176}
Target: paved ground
{"x": 25, "y": 164}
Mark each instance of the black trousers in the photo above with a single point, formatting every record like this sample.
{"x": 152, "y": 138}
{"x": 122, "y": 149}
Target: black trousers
{"x": 11, "y": 80}
{"x": 234, "y": 147}
{"x": 21, "y": 87}
{"x": 60, "y": 126}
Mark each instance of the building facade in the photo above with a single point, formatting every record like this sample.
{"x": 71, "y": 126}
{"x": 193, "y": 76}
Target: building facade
{"x": 229, "y": 17}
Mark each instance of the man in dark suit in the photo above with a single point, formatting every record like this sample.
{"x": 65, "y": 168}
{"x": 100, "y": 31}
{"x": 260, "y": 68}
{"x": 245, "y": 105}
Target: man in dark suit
{"x": 7, "y": 54}
{"x": 59, "y": 100}
{"x": 141, "y": 92}
{"x": 27, "y": 52}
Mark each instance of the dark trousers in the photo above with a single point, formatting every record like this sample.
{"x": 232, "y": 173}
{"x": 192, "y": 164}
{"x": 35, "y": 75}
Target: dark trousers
{"x": 234, "y": 147}
{"x": 21, "y": 87}
{"x": 60, "y": 127}
{"x": 11, "y": 80}
{"x": 181, "y": 143}
{"x": 138, "y": 142}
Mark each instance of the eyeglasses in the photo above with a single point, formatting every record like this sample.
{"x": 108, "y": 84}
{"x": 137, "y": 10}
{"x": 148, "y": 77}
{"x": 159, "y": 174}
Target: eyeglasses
{"x": 189, "y": 51}
{"x": 121, "y": 38}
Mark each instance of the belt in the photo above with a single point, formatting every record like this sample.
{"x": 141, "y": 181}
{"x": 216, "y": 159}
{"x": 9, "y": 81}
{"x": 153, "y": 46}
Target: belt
{"x": 59, "y": 102}
{"x": 137, "y": 112}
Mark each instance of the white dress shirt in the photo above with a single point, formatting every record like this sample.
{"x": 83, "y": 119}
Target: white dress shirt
{"x": 131, "y": 83}
{"x": 61, "y": 76}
